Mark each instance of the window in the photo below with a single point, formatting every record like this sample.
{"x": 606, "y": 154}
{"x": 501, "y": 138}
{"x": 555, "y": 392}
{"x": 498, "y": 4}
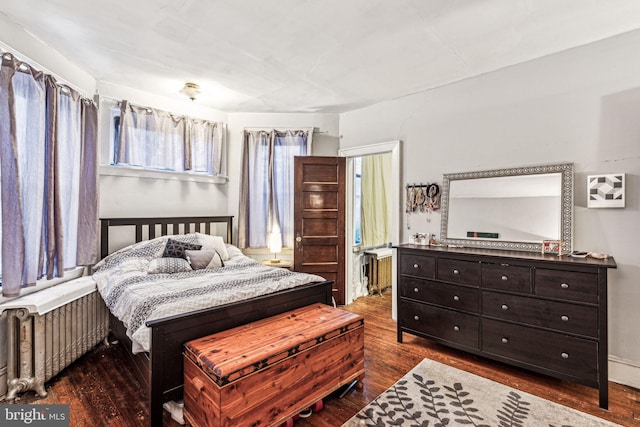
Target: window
{"x": 48, "y": 142}
{"x": 357, "y": 200}
{"x": 267, "y": 184}
{"x": 152, "y": 139}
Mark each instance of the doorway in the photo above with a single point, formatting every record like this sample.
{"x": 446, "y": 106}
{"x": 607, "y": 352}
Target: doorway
{"x": 352, "y": 273}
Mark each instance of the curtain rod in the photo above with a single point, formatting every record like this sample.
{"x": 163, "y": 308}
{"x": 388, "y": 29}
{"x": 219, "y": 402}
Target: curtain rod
{"x": 315, "y": 129}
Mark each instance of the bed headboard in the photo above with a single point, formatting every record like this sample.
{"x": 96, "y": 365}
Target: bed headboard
{"x": 172, "y": 225}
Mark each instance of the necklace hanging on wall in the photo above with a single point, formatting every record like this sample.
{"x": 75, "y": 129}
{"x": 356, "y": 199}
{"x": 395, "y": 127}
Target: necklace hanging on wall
{"x": 421, "y": 198}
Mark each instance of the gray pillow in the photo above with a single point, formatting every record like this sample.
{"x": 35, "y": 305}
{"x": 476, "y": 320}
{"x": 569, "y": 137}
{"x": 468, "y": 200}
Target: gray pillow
{"x": 204, "y": 259}
{"x": 168, "y": 265}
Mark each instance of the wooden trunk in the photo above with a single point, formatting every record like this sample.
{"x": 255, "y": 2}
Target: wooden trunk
{"x": 263, "y": 373}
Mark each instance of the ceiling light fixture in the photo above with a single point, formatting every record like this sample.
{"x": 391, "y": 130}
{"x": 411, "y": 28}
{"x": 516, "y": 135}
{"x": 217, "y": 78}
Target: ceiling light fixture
{"x": 191, "y": 90}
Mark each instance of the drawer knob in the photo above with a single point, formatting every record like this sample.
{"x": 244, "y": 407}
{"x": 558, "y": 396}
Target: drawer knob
{"x": 456, "y": 298}
{"x": 504, "y": 340}
{"x": 565, "y": 355}
{"x": 416, "y": 318}
{"x": 456, "y": 271}
{"x": 456, "y": 328}
{"x": 564, "y": 285}
{"x": 505, "y": 278}
{"x": 416, "y": 266}
{"x": 416, "y": 290}
{"x": 505, "y": 307}
{"x": 564, "y": 318}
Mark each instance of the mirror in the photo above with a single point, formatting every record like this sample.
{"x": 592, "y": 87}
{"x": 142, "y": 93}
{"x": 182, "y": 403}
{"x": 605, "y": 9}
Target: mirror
{"x": 512, "y": 209}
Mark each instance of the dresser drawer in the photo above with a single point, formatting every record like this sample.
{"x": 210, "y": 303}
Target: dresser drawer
{"x": 506, "y": 277}
{"x": 567, "y": 285}
{"x": 572, "y": 356}
{"x": 440, "y": 323}
{"x": 445, "y": 294}
{"x": 457, "y": 271}
{"x": 416, "y": 265}
{"x": 563, "y": 317}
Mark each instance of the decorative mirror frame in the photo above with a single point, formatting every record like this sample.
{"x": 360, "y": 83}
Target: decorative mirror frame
{"x": 566, "y": 225}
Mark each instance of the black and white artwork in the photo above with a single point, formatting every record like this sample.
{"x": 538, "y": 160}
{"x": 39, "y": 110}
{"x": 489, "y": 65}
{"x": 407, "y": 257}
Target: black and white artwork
{"x": 605, "y": 191}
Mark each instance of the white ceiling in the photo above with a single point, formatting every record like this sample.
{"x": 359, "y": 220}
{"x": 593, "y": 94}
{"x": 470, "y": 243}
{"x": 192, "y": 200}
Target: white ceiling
{"x": 310, "y": 55}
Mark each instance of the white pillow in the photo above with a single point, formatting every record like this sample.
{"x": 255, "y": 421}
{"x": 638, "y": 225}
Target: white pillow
{"x": 216, "y": 262}
{"x": 168, "y": 265}
{"x": 213, "y": 243}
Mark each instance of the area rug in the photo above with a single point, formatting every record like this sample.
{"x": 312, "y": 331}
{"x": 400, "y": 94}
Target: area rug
{"x": 433, "y": 394}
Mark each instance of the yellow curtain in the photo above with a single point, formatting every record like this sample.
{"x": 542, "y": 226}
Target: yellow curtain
{"x": 376, "y": 200}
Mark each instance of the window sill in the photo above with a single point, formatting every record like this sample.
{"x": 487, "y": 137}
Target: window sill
{"x": 153, "y": 174}
{"x": 44, "y": 284}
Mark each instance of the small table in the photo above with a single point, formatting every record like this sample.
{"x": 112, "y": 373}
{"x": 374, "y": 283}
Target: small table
{"x": 284, "y": 263}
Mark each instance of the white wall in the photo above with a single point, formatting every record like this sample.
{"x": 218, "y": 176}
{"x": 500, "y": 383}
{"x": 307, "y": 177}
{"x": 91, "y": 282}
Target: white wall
{"x": 580, "y": 106}
{"x": 325, "y": 142}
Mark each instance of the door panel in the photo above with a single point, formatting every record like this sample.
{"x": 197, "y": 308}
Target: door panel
{"x": 320, "y": 219}
{"x": 318, "y": 226}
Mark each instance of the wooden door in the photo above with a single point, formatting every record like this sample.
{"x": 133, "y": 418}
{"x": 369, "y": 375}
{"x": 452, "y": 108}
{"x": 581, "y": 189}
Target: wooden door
{"x": 319, "y": 214}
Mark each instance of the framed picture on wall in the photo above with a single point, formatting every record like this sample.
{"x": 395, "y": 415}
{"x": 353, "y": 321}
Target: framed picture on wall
{"x": 605, "y": 191}
{"x": 552, "y": 247}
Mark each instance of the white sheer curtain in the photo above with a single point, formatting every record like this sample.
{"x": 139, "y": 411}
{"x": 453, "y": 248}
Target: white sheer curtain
{"x": 207, "y": 145}
{"x": 30, "y": 115}
{"x": 151, "y": 138}
{"x": 69, "y": 154}
{"x": 156, "y": 139}
{"x": 267, "y": 189}
{"x": 287, "y": 145}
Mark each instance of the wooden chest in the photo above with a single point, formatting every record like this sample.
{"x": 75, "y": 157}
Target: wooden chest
{"x": 263, "y": 373}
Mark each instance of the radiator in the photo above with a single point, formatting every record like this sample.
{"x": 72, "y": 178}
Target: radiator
{"x": 379, "y": 270}
{"x": 56, "y": 327}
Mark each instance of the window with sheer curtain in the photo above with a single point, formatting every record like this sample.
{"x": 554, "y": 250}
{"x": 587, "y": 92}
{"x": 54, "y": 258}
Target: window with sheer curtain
{"x": 153, "y": 139}
{"x": 48, "y": 139}
{"x": 267, "y": 184}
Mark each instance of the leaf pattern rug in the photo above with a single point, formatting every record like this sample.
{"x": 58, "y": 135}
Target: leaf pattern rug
{"x": 435, "y": 395}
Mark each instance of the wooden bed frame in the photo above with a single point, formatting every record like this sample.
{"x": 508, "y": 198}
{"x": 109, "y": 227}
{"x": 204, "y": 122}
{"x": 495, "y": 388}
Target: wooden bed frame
{"x": 160, "y": 370}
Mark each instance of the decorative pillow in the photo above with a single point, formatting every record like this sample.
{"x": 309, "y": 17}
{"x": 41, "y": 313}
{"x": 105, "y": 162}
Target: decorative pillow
{"x": 216, "y": 261}
{"x": 213, "y": 243}
{"x": 175, "y": 249}
{"x": 201, "y": 259}
{"x": 168, "y": 265}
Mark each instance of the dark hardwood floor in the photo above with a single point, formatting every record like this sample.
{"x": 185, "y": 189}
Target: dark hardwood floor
{"x": 102, "y": 392}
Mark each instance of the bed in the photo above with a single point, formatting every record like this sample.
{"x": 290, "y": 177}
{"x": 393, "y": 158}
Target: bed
{"x": 159, "y": 367}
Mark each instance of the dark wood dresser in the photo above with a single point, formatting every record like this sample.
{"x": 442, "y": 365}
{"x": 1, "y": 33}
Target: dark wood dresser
{"x": 540, "y": 312}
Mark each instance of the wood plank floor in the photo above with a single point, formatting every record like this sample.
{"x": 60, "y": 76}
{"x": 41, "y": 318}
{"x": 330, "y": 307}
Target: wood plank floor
{"x": 102, "y": 392}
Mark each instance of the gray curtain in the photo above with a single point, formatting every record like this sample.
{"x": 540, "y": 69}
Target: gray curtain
{"x": 87, "y": 253}
{"x": 40, "y": 183}
{"x": 12, "y": 227}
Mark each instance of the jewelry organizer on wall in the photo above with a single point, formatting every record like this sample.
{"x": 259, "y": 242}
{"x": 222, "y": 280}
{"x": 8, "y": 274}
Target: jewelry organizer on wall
{"x": 422, "y": 198}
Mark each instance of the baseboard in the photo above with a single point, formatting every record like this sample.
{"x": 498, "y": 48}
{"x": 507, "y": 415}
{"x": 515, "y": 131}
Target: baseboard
{"x": 624, "y": 371}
